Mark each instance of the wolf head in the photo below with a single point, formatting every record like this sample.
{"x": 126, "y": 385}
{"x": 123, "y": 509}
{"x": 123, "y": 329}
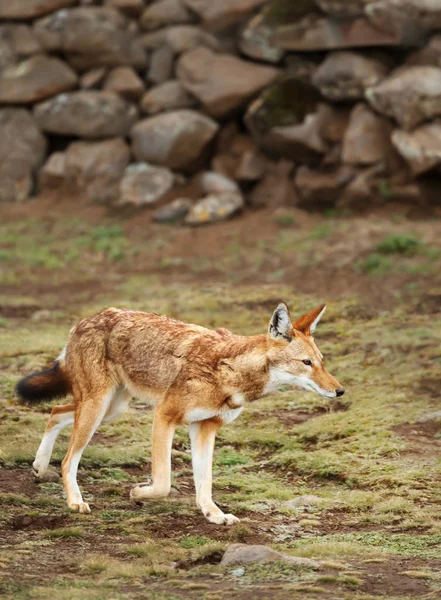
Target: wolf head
{"x": 294, "y": 356}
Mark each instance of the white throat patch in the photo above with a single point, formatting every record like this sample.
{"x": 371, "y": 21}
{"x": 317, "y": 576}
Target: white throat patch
{"x": 278, "y": 378}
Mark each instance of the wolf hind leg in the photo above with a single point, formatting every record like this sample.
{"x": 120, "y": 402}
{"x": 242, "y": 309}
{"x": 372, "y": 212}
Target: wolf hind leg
{"x": 89, "y": 413}
{"x": 61, "y": 417}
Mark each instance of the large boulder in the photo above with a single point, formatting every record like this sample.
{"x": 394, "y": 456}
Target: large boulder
{"x": 421, "y": 148}
{"x": 34, "y": 79}
{"x": 163, "y": 13}
{"x": 410, "y": 95}
{"x": 215, "y": 207}
{"x": 145, "y": 184}
{"x": 220, "y": 81}
{"x": 345, "y": 75}
{"x": 175, "y": 139}
{"x": 166, "y": 96}
{"x": 89, "y": 114}
{"x": 181, "y": 38}
{"x": 424, "y": 13}
{"x": 367, "y": 138}
{"x": 318, "y": 33}
{"x": 29, "y": 9}
{"x": 97, "y": 167}
{"x": 91, "y": 37}
{"x": 22, "y": 151}
{"x": 218, "y": 14}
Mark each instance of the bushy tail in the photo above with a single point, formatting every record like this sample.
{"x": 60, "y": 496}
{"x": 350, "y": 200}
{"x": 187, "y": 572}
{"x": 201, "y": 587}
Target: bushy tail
{"x": 46, "y": 385}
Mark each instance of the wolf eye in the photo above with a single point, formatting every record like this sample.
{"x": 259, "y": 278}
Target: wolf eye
{"x": 307, "y": 362}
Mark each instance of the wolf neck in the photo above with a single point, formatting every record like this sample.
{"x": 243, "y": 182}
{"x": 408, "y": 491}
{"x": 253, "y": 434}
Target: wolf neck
{"x": 245, "y": 366}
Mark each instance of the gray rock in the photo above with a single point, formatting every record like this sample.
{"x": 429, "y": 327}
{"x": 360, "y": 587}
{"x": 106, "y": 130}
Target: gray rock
{"x": 345, "y": 75}
{"x": 93, "y": 78}
{"x": 256, "y": 41}
{"x": 215, "y": 207}
{"x": 306, "y": 500}
{"x": 163, "y": 13}
{"x": 175, "y": 139}
{"x": 24, "y": 40}
{"x": 245, "y": 555}
{"x": 161, "y": 64}
{"x": 125, "y": 82}
{"x": 421, "y": 148}
{"x": 410, "y": 95}
{"x": 215, "y": 183}
{"x": 181, "y": 38}
{"x": 34, "y": 79}
{"x": 430, "y": 416}
{"x": 222, "y": 82}
{"x": 53, "y": 173}
{"x": 97, "y": 167}
{"x": 174, "y": 211}
{"x": 22, "y": 151}
{"x": 321, "y": 188}
{"x": 367, "y": 138}
{"x": 218, "y": 14}
{"x": 145, "y": 184}
{"x": 423, "y": 13}
{"x": 166, "y": 96}
{"x": 29, "y": 9}
{"x": 88, "y": 114}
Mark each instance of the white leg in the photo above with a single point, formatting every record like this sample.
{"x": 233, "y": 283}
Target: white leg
{"x": 61, "y": 417}
{"x": 88, "y": 417}
{"x": 162, "y": 439}
{"x": 202, "y": 436}
{"x": 118, "y": 405}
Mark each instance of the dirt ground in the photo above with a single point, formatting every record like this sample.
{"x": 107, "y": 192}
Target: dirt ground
{"x": 354, "y": 484}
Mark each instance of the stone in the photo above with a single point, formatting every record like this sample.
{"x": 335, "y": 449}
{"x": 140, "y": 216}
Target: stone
{"x": 222, "y": 82}
{"x": 166, "y": 96}
{"x": 25, "y": 41}
{"x": 29, "y": 9}
{"x": 215, "y": 183}
{"x": 252, "y": 166}
{"x": 22, "y": 151}
{"x": 410, "y": 95}
{"x": 367, "y": 138}
{"x": 164, "y": 13}
{"x": 145, "y": 184}
{"x": 161, "y": 64}
{"x": 343, "y": 8}
{"x": 153, "y": 39}
{"x": 429, "y": 55}
{"x": 132, "y": 8}
{"x": 181, "y": 38}
{"x": 93, "y": 36}
{"x": 93, "y": 78}
{"x": 125, "y": 82}
{"x": 306, "y": 500}
{"x": 359, "y": 193}
{"x": 53, "y": 173}
{"x": 97, "y": 167}
{"x": 8, "y": 55}
{"x": 175, "y": 139}
{"x": 219, "y": 14}
{"x": 317, "y": 33}
{"x": 215, "y": 207}
{"x": 421, "y": 148}
{"x": 321, "y": 188}
{"x": 423, "y": 13}
{"x": 88, "y": 114}
{"x": 34, "y": 79}
{"x": 256, "y": 41}
{"x": 275, "y": 189}
{"x": 284, "y": 120}
{"x": 245, "y": 554}
{"x": 345, "y": 75}
{"x": 173, "y": 212}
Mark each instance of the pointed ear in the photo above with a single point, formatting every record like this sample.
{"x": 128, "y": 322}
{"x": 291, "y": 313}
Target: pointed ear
{"x": 308, "y": 322}
{"x": 280, "y": 327}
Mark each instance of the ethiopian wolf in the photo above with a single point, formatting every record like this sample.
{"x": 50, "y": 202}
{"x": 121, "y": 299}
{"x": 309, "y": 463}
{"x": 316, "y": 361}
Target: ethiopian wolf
{"x": 191, "y": 375}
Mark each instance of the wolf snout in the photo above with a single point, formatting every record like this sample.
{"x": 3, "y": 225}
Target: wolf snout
{"x": 339, "y": 392}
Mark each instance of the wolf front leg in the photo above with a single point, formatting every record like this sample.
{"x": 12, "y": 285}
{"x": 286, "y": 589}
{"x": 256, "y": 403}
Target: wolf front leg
{"x": 162, "y": 438}
{"x": 202, "y": 436}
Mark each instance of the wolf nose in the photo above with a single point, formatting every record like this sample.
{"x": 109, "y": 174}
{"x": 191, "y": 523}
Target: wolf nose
{"x": 339, "y": 392}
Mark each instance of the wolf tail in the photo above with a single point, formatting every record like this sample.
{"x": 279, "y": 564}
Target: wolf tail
{"x": 45, "y": 385}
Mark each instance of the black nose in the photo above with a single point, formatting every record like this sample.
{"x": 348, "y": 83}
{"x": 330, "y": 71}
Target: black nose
{"x": 339, "y": 392}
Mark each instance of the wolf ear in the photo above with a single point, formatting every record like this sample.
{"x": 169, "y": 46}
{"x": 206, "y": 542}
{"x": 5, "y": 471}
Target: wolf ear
{"x": 280, "y": 327}
{"x": 308, "y": 322}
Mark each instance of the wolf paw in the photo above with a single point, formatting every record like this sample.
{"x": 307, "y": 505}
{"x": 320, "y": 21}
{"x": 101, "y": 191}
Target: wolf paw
{"x": 82, "y": 507}
{"x": 222, "y": 519}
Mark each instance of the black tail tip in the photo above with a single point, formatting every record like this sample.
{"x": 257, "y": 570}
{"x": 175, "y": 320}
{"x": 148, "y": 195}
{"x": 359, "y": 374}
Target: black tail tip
{"x": 45, "y": 385}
